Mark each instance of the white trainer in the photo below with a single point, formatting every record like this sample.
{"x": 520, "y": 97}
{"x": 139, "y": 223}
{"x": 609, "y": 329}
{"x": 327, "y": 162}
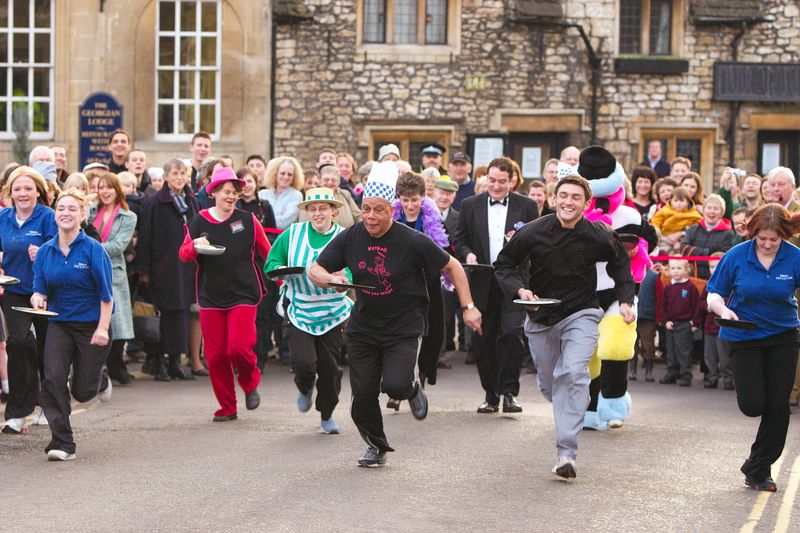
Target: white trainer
{"x": 13, "y": 426}
{"x": 105, "y": 394}
{"x": 565, "y": 467}
{"x": 38, "y": 417}
{"x": 60, "y": 455}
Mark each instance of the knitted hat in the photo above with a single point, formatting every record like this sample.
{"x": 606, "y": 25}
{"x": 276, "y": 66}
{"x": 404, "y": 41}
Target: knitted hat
{"x": 46, "y": 169}
{"x": 596, "y": 163}
{"x": 319, "y": 195}
{"x": 382, "y": 181}
{"x": 387, "y": 149}
{"x": 220, "y": 176}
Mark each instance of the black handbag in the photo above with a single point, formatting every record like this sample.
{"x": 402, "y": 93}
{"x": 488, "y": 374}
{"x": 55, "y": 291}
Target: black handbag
{"x": 146, "y": 323}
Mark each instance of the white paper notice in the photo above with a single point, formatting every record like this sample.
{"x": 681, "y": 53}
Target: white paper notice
{"x": 485, "y": 149}
{"x": 531, "y": 162}
{"x": 770, "y": 156}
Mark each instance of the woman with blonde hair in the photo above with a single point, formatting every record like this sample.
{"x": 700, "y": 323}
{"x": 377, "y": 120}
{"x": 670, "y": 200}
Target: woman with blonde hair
{"x": 284, "y": 182}
{"x": 24, "y": 228}
{"x": 72, "y": 277}
{"x": 116, "y": 223}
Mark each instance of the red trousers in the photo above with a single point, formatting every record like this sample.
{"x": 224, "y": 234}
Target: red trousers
{"x": 229, "y": 336}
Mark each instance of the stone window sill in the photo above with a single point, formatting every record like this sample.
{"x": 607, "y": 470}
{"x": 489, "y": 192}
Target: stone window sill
{"x": 406, "y": 53}
{"x": 664, "y": 65}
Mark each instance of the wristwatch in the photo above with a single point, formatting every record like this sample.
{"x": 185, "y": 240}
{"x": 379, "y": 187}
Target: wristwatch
{"x": 468, "y": 306}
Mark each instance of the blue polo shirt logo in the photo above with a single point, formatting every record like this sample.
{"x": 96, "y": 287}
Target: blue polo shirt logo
{"x": 33, "y": 233}
{"x": 784, "y": 277}
{"x": 81, "y": 266}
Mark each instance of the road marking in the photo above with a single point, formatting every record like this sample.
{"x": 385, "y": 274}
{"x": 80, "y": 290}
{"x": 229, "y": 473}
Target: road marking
{"x": 785, "y": 511}
{"x": 760, "y": 503}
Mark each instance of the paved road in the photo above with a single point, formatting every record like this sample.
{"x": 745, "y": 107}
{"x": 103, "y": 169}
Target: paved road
{"x": 152, "y": 460}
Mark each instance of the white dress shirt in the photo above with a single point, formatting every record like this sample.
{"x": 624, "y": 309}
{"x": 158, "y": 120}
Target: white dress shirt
{"x": 497, "y": 228}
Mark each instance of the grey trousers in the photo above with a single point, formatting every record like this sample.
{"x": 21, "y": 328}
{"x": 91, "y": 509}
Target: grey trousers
{"x": 679, "y": 350}
{"x": 717, "y": 354}
{"x": 561, "y": 353}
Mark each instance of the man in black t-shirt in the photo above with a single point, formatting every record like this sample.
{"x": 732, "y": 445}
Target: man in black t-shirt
{"x": 389, "y": 318}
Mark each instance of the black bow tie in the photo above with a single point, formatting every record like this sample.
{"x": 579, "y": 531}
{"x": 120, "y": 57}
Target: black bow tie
{"x": 504, "y": 201}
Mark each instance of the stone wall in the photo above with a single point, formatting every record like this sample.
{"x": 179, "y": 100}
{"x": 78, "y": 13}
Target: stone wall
{"x": 325, "y": 91}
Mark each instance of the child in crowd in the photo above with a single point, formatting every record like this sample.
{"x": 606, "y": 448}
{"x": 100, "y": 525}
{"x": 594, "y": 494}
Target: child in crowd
{"x": 716, "y": 351}
{"x": 671, "y": 220}
{"x": 739, "y": 219}
{"x": 662, "y": 192}
{"x": 678, "y": 305}
{"x": 645, "y": 346}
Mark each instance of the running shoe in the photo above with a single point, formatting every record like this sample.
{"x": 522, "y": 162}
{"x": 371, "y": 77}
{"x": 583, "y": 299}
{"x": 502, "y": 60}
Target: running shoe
{"x": 225, "y": 418}
{"x": 565, "y": 467}
{"x": 13, "y": 426}
{"x": 372, "y": 458}
{"x": 60, "y": 455}
{"x": 767, "y": 485}
{"x": 304, "y": 401}
{"x": 105, "y": 394}
{"x": 393, "y": 404}
{"x": 252, "y": 400}
{"x": 38, "y": 417}
{"x": 329, "y": 426}
{"x": 419, "y": 404}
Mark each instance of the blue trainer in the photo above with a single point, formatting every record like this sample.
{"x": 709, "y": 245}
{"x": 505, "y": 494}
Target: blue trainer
{"x": 304, "y": 401}
{"x": 329, "y": 426}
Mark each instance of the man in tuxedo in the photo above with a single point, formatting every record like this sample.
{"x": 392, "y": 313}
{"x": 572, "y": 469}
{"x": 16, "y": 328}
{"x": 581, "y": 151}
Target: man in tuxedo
{"x": 485, "y": 223}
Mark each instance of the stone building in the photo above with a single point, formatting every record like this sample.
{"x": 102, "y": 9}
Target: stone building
{"x": 174, "y": 67}
{"x": 715, "y": 80}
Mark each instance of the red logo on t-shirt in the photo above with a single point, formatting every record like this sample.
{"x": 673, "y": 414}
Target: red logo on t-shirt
{"x": 379, "y": 271}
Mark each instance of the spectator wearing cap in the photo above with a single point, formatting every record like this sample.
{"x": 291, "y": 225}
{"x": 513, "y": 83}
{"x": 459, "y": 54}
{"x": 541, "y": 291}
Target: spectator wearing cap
{"x": 388, "y": 152}
{"x": 458, "y": 170}
{"x": 432, "y": 156}
{"x": 48, "y": 171}
{"x": 444, "y": 193}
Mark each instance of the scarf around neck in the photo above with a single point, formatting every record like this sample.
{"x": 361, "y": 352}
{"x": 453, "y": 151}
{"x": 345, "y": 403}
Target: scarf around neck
{"x": 105, "y": 229}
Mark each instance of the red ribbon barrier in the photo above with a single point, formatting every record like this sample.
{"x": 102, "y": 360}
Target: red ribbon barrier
{"x": 686, "y": 257}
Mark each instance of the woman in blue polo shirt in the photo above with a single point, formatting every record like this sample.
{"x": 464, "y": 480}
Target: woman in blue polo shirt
{"x": 24, "y": 227}
{"x": 759, "y": 277}
{"x": 72, "y": 277}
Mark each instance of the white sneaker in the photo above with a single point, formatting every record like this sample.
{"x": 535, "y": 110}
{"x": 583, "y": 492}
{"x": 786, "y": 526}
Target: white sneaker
{"x": 38, "y": 417}
{"x": 565, "y": 467}
{"x": 60, "y": 455}
{"x": 13, "y": 426}
{"x": 105, "y": 395}
{"x": 615, "y": 424}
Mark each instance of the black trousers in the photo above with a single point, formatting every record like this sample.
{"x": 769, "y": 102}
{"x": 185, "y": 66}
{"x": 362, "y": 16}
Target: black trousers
{"x": 317, "y": 357}
{"x": 453, "y": 320}
{"x": 379, "y": 365}
{"x": 763, "y": 372}
{"x": 612, "y": 382}
{"x": 68, "y": 344}
{"x": 501, "y": 347}
{"x": 432, "y": 342}
{"x": 25, "y": 351}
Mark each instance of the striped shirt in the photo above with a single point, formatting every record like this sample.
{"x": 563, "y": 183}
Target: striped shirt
{"x": 311, "y": 308}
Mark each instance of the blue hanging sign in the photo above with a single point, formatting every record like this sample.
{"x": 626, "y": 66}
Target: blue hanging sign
{"x": 98, "y": 116}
